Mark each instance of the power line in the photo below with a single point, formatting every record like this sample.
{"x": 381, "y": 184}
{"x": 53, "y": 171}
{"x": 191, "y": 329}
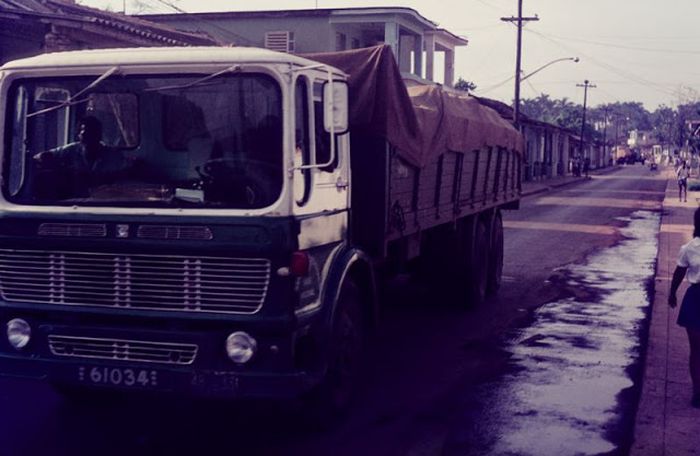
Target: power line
{"x": 497, "y": 85}
{"x": 483, "y": 2}
{"x": 626, "y": 47}
{"x": 537, "y": 92}
{"x": 629, "y": 76}
{"x": 236, "y": 37}
{"x": 171, "y": 5}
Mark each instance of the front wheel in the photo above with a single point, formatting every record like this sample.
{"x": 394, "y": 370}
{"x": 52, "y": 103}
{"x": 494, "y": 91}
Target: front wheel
{"x": 333, "y": 396}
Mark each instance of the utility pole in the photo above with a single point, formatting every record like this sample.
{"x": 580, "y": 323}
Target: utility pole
{"x": 605, "y": 133}
{"x": 586, "y": 85}
{"x": 518, "y": 54}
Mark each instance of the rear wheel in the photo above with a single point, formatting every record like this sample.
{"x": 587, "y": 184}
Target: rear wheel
{"x": 332, "y": 398}
{"x": 470, "y": 273}
{"x": 478, "y": 266}
{"x": 495, "y": 255}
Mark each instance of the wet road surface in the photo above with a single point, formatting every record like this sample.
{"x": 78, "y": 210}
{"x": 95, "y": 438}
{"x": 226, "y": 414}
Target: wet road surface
{"x": 552, "y": 357}
{"x": 569, "y": 389}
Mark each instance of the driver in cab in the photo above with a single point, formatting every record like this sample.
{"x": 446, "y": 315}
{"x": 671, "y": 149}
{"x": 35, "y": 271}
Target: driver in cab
{"x": 87, "y": 161}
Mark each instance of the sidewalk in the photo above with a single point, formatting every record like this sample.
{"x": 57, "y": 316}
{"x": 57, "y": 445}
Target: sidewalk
{"x": 666, "y": 424}
{"x": 545, "y": 185}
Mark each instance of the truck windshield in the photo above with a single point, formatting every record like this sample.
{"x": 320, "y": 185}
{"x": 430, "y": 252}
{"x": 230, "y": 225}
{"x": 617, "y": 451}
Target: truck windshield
{"x": 136, "y": 141}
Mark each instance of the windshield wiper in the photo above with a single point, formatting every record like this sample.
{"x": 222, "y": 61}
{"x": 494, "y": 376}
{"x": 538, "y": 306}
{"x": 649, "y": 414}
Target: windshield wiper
{"x": 74, "y": 99}
{"x": 200, "y": 81}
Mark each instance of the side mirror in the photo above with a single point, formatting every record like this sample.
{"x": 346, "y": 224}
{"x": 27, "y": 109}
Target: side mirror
{"x": 335, "y": 107}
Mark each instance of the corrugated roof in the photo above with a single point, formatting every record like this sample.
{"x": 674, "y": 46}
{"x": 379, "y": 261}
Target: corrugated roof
{"x": 127, "y": 24}
{"x": 24, "y": 5}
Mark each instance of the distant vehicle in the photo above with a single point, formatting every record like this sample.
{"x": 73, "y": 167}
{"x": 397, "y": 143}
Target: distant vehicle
{"x": 653, "y": 166}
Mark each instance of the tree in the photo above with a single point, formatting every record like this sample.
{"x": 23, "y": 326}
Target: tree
{"x": 561, "y": 112}
{"x": 664, "y": 121}
{"x": 466, "y": 86}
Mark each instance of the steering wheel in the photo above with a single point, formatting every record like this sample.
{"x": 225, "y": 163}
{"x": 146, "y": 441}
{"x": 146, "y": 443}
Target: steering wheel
{"x": 230, "y": 164}
{"x": 229, "y": 179}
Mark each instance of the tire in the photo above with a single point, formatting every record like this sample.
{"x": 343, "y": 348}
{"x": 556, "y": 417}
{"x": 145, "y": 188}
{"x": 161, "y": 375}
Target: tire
{"x": 495, "y": 255}
{"x": 439, "y": 267}
{"x": 478, "y": 266}
{"x": 332, "y": 398}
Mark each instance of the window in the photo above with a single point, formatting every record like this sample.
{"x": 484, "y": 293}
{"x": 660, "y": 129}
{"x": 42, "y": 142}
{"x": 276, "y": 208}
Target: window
{"x": 322, "y": 137}
{"x": 198, "y": 143}
{"x": 119, "y": 115}
{"x": 280, "y": 41}
{"x": 302, "y": 150}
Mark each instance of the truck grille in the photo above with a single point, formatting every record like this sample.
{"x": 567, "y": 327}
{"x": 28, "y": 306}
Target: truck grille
{"x": 172, "y": 232}
{"x": 123, "y": 350}
{"x": 72, "y": 229}
{"x": 153, "y": 282}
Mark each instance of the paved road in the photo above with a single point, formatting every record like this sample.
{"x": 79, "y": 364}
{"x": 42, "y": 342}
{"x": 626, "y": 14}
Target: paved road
{"x": 418, "y": 396}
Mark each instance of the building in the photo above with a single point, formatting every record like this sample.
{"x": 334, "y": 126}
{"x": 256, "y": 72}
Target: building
{"x": 419, "y": 44}
{"x": 549, "y": 149}
{"x": 31, "y": 27}
{"x": 641, "y": 142}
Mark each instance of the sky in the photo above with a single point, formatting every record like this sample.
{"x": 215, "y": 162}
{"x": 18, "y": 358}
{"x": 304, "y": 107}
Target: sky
{"x": 631, "y": 50}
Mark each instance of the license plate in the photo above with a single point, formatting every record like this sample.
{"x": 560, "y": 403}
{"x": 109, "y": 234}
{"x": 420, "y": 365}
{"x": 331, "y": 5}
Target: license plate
{"x": 117, "y": 376}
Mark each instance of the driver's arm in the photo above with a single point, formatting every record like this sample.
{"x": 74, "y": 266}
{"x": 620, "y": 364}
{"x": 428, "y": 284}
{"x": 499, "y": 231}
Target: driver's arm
{"x": 52, "y": 156}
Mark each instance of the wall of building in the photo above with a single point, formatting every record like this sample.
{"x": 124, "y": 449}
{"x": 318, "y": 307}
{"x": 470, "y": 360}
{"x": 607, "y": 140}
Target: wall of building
{"x": 354, "y": 35}
{"x": 311, "y": 34}
{"x": 19, "y": 40}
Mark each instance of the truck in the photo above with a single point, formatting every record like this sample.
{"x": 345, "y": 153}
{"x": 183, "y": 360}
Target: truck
{"x": 218, "y": 221}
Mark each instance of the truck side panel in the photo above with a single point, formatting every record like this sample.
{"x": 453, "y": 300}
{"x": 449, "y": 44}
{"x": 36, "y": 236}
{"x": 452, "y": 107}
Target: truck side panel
{"x": 393, "y": 199}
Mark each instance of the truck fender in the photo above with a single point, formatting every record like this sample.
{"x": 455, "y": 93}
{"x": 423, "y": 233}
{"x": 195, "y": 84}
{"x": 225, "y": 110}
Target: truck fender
{"x": 351, "y": 264}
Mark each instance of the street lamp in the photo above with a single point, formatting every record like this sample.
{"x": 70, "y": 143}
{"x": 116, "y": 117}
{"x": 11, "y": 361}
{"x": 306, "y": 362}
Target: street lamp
{"x": 563, "y": 59}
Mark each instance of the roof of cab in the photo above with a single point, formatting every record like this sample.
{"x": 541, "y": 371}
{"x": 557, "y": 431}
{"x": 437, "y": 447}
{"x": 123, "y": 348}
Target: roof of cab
{"x": 155, "y": 56}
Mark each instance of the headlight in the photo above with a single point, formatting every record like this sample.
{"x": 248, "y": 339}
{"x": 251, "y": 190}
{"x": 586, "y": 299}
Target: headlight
{"x": 240, "y": 347}
{"x": 18, "y": 333}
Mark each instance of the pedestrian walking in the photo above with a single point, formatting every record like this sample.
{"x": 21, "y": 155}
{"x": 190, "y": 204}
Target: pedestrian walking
{"x": 586, "y": 166}
{"x": 683, "y": 173}
{"x": 688, "y": 266}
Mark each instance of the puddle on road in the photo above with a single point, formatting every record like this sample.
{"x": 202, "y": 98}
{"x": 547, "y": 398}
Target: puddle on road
{"x": 569, "y": 388}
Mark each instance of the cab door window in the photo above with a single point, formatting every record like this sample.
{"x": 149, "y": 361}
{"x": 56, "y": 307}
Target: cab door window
{"x": 302, "y": 145}
{"x": 321, "y": 136}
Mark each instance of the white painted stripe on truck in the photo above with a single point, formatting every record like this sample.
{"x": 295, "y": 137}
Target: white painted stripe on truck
{"x": 322, "y": 230}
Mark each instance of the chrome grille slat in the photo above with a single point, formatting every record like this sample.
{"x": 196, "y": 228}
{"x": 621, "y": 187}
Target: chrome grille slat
{"x": 97, "y": 289}
{"x": 16, "y": 285}
{"x": 170, "y": 232}
{"x": 72, "y": 229}
{"x": 154, "y": 303}
{"x": 149, "y": 282}
{"x": 123, "y": 350}
{"x": 108, "y": 262}
{"x": 229, "y": 308}
{"x": 42, "y": 273}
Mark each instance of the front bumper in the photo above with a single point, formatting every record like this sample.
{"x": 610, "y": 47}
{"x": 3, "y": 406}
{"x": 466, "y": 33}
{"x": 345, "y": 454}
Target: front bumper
{"x": 191, "y": 382}
{"x": 272, "y": 373}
